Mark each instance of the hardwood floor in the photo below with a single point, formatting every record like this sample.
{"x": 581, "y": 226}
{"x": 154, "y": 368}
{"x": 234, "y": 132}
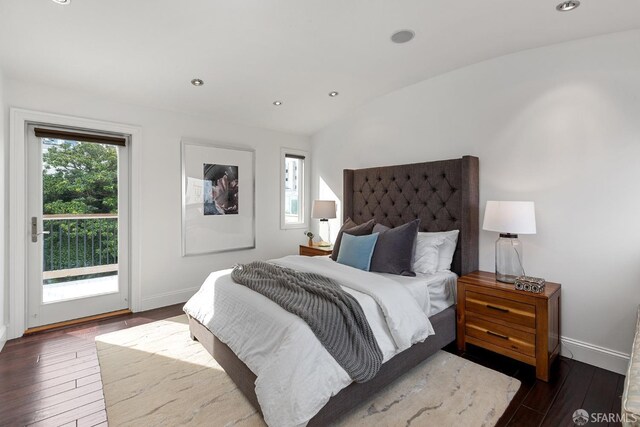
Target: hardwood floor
{"x": 53, "y": 379}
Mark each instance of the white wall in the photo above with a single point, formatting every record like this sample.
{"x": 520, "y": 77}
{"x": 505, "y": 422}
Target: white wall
{"x": 3, "y": 231}
{"x": 167, "y": 277}
{"x": 558, "y": 125}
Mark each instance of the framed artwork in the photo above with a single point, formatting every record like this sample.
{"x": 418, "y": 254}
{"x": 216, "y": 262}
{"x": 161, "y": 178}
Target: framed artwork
{"x": 218, "y": 198}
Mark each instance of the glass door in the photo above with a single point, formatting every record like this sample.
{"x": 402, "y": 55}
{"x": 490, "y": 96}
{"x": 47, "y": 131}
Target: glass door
{"x": 78, "y": 221}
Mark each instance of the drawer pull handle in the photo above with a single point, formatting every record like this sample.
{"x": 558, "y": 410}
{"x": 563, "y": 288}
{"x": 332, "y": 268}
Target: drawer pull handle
{"x": 493, "y": 307}
{"x": 504, "y": 337}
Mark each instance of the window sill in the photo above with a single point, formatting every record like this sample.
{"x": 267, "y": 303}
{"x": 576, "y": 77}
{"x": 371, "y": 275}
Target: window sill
{"x": 293, "y": 226}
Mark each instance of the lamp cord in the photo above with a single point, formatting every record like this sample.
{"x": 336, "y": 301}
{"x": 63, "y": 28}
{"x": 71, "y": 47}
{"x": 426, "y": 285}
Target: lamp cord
{"x": 518, "y": 256}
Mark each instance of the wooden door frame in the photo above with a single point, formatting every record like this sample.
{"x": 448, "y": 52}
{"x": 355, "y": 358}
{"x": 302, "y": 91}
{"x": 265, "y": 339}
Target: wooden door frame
{"x": 18, "y": 223}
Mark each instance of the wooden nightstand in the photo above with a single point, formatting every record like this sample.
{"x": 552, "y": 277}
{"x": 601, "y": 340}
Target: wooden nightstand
{"x": 518, "y": 324}
{"x": 307, "y": 250}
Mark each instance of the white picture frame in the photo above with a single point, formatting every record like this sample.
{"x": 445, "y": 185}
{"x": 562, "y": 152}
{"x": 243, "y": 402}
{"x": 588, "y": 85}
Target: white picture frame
{"x": 218, "y": 198}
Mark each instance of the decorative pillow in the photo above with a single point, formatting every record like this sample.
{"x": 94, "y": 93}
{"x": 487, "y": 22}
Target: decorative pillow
{"x": 448, "y": 248}
{"x": 355, "y": 230}
{"x": 395, "y": 249}
{"x": 427, "y": 253}
{"x": 379, "y": 228}
{"x": 356, "y": 251}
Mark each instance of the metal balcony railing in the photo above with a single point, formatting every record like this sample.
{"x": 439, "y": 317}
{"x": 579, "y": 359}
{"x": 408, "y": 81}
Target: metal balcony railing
{"x": 79, "y": 245}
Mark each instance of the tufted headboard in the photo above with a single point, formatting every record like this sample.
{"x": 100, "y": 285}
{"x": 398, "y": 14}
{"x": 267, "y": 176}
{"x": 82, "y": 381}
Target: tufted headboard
{"x": 443, "y": 194}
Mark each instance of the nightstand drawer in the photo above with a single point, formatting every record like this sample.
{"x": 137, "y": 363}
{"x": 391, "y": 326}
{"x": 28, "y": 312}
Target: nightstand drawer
{"x": 502, "y": 336}
{"x": 500, "y": 308}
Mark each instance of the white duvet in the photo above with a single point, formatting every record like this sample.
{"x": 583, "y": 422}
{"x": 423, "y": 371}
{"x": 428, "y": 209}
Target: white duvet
{"x": 296, "y": 376}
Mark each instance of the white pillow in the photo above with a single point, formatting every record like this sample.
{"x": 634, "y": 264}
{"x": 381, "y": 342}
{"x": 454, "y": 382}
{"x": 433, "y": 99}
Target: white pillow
{"x": 427, "y": 253}
{"x": 447, "y": 249}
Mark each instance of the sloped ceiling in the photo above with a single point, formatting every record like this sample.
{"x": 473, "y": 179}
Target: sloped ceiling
{"x": 253, "y": 52}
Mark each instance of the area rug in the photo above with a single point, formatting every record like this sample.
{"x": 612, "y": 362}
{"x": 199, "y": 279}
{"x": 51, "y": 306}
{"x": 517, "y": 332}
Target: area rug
{"x": 155, "y": 375}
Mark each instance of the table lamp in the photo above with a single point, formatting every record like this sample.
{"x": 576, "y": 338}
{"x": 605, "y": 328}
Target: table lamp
{"x": 509, "y": 219}
{"x": 324, "y": 210}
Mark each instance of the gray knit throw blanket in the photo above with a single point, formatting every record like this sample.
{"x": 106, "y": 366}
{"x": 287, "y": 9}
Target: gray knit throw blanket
{"x": 334, "y": 316}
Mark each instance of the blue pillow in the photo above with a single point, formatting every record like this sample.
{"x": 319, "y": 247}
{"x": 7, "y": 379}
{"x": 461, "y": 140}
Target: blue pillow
{"x": 356, "y": 251}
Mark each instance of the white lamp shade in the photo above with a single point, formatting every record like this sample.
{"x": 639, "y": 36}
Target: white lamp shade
{"x": 510, "y": 217}
{"x": 323, "y": 209}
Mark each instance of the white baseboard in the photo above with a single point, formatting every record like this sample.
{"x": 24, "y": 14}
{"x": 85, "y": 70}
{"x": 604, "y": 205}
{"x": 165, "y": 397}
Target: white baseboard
{"x": 167, "y": 298}
{"x": 591, "y": 354}
{"x": 3, "y": 336}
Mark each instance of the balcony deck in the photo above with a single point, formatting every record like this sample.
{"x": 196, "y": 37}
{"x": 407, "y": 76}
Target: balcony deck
{"x": 79, "y": 288}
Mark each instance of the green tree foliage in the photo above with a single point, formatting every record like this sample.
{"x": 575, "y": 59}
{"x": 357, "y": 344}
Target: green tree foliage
{"x": 80, "y": 178}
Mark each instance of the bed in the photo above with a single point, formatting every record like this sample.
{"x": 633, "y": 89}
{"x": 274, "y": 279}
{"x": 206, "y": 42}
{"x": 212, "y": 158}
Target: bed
{"x": 444, "y": 196}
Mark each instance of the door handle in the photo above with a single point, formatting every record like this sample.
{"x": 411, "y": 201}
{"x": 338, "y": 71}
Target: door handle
{"x": 34, "y": 229}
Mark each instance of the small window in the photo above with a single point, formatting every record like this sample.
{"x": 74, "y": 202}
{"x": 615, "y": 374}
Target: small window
{"x": 293, "y": 189}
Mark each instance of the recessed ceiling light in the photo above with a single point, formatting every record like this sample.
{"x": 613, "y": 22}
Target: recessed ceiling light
{"x": 62, "y": 1}
{"x": 567, "y": 5}
{"x": 333, "y": 94}
{"x": 277, "y": 103}
{"x": 197, "y": 82}
{"x": 402, "y": 36}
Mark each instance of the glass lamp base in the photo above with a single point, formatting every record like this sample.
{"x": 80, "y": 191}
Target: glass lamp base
{"x": 508, "y": 258}
{"x": 505, "y": 278}
{"x": 325, "y": 233}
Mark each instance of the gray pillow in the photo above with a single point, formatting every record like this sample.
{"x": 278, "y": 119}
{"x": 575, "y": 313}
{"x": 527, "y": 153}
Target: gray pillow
{"x": 354, "y": 229}
{"x": 395, "y": 249}
{"x": 379, "y": 228}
